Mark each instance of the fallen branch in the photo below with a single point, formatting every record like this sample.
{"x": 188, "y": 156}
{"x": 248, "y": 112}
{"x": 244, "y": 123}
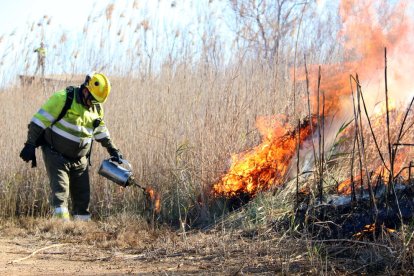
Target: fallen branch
{"x": 364, "y": 266}
{"x": 37, "y": 251}
{"x": 358, "y": 242}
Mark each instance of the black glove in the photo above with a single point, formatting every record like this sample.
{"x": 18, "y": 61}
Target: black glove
{"x": 116, "y": 155}
{"x": 28, "y": 153}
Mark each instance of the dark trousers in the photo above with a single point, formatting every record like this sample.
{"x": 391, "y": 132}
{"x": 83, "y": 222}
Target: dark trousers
{"x": 68, "y": 177}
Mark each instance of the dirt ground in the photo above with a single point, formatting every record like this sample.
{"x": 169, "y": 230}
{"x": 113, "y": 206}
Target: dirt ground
{"x": 86, "y": 260}
{"x": 24, "y": 252}
{"x": 128, "y": 245}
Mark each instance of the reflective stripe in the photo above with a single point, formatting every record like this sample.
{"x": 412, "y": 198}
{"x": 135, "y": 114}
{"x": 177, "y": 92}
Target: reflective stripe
{"x": 69, "y": 136}
{"x": 75, "y": 127}
{"x": 38, "y": 122}
{"x": 101, "y": 129}
{"x": 82, "y": 217}
{"x": 61, "y": 210}
{"x": 61, "y": 213}
{"x": 101, "y": 135}
{"x": 47, "y": 115}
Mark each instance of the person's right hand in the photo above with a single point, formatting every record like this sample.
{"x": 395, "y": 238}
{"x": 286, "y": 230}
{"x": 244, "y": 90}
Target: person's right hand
{"x": 28, "y": 153}
{"x": 116, "y": 155}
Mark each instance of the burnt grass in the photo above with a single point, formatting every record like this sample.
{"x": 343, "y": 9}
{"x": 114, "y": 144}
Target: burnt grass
{"x": 340, "y": 217}
{"x": 343, "y": 218}
{"x": 335, "y": 232}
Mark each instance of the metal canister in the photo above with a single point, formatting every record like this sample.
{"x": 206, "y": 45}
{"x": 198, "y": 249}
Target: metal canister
{"x": 115, "y": 172}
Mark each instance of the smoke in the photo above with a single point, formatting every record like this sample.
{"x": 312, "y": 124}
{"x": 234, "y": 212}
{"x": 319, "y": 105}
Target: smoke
{"x": 368, "y": 27}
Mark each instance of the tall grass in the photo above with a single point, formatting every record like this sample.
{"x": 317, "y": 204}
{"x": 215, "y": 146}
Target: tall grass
{"x": 180, "y": 105}
{"x": 177, "y": 129}
{"x": 178, "y": 112}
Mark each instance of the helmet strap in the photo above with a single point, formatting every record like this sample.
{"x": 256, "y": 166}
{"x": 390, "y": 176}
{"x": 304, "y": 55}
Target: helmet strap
{"x": 86, "y": 97}
{"x": 87, "y": 79}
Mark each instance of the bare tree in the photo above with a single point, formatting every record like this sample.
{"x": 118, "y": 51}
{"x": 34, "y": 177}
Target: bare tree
{"x": 263, "y": 24}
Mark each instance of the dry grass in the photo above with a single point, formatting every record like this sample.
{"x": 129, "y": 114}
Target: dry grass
{"x": 176, "y": 118}
{"x": 177, "y": 131}
{"x": 127, "y": 240}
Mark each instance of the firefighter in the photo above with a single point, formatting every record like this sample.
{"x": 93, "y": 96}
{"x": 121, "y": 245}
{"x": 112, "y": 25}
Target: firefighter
{"x": 41, "y": 58}
{"x": 66, "y": 141}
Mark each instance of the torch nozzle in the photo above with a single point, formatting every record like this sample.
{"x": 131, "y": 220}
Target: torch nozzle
{"x": 152, "y": 198}
{"x": 132, "y": 182}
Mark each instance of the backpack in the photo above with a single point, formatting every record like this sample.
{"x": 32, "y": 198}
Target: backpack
{"x": 70, "y": 94}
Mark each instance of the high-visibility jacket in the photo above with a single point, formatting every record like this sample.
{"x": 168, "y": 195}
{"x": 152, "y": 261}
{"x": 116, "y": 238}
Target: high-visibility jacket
{"x": 72, "y": 135}
{"x": 41, "y": 52}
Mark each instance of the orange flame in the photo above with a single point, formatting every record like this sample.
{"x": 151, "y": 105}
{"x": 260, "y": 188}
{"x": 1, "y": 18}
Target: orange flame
{"x": 345, "y": 186}
{"x": 370, "y": 229}
{"x": 368, "y": 26}
{"x": 364, "y": 38}
{"x": 265, "y": 165}
{"x": 153, "y": 200}
{"x": 381, "y": 108}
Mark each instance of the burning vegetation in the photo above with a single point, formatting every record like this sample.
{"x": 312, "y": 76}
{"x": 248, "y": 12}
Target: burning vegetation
{"x": 335, "y": 95}
{"x": 343, "y": 171}
{"x": 265, "y": 165}
{"x": 375, "y": 144}
{"x": 152, "y": 201}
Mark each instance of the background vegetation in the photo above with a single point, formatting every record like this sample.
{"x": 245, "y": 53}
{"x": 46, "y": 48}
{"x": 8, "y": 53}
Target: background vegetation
{"x": 183, "y": 100}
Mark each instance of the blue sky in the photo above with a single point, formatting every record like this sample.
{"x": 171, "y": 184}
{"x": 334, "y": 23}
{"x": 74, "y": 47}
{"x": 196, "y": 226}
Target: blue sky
{"x": 22, "y": 27}
{"x": 17, "y": 14}
{"x": 72, "y": 14}
{"x": 71, "y": 50}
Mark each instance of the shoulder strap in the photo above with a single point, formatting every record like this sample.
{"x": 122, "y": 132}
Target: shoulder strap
{"x": 70, "y": 93}
{"x": 98, "y": 108}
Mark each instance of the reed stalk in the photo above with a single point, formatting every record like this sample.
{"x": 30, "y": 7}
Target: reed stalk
{"x": 390, "y": 150}
{"x": 297, "y": 166}
{"x": 363, "y": 152}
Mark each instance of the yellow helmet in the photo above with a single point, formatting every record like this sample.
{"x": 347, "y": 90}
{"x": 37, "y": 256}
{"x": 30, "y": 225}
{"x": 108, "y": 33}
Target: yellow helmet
{"x": 99, "y": 86}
